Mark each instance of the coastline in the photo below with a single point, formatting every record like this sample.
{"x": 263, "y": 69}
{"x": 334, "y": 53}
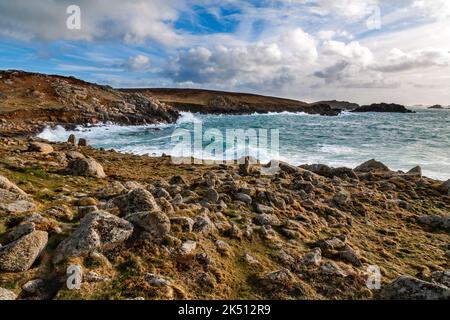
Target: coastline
{"x": 318, "y": 227}
{"x": 142, "y": 227}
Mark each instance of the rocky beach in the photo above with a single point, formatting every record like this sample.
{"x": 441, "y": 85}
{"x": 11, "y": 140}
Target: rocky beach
{"x": 141, "y": 227}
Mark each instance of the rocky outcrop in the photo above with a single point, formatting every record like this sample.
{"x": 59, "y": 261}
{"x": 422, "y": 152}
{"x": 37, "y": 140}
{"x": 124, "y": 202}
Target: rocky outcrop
{"x": 372, "y": 166}
{"x": 330, "y": 172}
{"x": 21, "y": 254}
{"x": 383, "y": 107}
{"x": 98, "y": 231}
{"x": 409, "y": 288}
{"x": 137, "y": 200}
{"x": 6, "y": 294}
{"x": 70, "y": 102}
{"x": 86, "y": 167}
{"x": 155, "y": 223}
{"x": 216, "y": 102}
{"x": 40, "y": 147}
{"x": 339, "y": 105}
{"x": 435, "y": 222}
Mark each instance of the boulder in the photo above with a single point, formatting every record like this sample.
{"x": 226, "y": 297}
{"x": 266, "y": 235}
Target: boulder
{"x": 188, "y": 247}
{"x": 331, "y": 268}
{"x": 19, "y": 256}
{"x": 155, "y": 280}
{"x": 330, "y": 172}
{"x": 331, "y": 244}
{"x": 372, "y": 166}
{"x": 260, "y": 208}
{"x": 410, "y": 288}
{"x": 203, "y": 224}
{"x": 33, "y": 286}
{"x": 6, "y": 294}
{"x": 416, "y": 171}
{"x": 86, "y": 167}
{"x": 267, "y": 220}
{"x": 40, "y": 147}
{"x": 92, "y": 276}
{"x": 113, "y": 189}
{"x": 441, "y": 277}
{"x": 20, "y": 206}
{"x": 7, "y": 185}
{"x": 350, "y": 255}
{"x": 137, "y": 200}
{"x": 212, "y": 196}
{"x": 341, "y": 198}
{"x": 98, "y": 231}
{"x": 82, "y": 142}
{"x": 435, "y": 222}
{"x": 71, "y": 140}
{"x": 185, "y": 223}
{"x": 278, "y": 281}
{"x": 245, "y": 198}
{"x": 156, "y": 223}
{"x": 312, "y": 258}
{"x": 445, "y": 187}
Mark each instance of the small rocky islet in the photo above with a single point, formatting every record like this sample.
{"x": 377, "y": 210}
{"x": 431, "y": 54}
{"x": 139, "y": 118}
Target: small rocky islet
{"x": 140, "y": 227}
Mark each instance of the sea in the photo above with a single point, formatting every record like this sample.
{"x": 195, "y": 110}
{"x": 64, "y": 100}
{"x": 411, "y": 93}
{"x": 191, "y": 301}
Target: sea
{"x": 401, "y": 141}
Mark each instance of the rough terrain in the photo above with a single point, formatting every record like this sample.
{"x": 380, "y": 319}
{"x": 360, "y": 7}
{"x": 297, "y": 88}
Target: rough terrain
{"x": 215, "y": 231}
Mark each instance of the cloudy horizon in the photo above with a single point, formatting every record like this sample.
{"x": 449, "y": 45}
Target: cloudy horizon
{"x": 362, "y": 51}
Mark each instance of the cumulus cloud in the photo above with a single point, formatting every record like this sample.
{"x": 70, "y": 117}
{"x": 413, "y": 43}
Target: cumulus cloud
{"x": 439, "y": 9}
{"x": 400, "y": 61}
{"x": 138, "y": 63}
{"x": 353, "y": 51}
{"x": 247, "y": 63}
{"x": 133, "y": 21}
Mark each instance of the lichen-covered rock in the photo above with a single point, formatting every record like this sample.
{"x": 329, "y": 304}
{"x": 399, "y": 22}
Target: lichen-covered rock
{"x": 330, "y": 172}
{"x": 435, "y": 222}
{"x": 372, "y": 166}
{"x": 86, "y": 167}
{"x": 409, "y": 288}
{"x": 5, "y": 184}
{"x": 155, "y": 223}
{"x": 312, "y": 258}
{"x": 40, "y": 147}
{"x": 137, "y": 200}
{"x": 113, "y": 189}
{"x": 267, "y": 220}
{"x": 442, "y": 277}
{"x": 98, "y": 231}
{"x": 245, "y": 198}
{"x": 19, "y": 206}
{"x": 19, "y": 256}
{"x": 445, "y": 187}
{"x": 6, "y": 294}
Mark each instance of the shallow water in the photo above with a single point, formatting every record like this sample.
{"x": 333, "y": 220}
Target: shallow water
{"x": 401, "y": 141}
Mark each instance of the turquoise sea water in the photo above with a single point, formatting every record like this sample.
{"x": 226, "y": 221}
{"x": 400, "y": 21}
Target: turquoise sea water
{"x": 401, "y": 141}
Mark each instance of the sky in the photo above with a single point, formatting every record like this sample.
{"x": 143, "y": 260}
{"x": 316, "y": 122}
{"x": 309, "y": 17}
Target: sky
{"x": 363, "y": 51}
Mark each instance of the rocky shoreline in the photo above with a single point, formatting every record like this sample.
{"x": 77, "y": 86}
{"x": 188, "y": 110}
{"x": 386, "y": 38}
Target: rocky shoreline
{"x": 139, "y": 227}
{"x": 215, "y": 231}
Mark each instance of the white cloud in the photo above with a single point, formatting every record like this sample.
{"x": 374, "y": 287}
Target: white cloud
{"x": 249, "y": 63}
{"x": 400, "y": 61}
{"x": 353, "y": 52}
{"x": 133, "y": 21}
{"x": 138, "y": 63}
{"x": 439, "y": 9}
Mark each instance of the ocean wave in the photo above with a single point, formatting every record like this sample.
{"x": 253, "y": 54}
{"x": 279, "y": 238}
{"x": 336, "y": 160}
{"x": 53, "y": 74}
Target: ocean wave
{"x": 188, "y": 117}
{"x": 335, "y": 149}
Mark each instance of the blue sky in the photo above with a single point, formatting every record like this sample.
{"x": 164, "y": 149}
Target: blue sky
{"x": 358, "y": 50}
